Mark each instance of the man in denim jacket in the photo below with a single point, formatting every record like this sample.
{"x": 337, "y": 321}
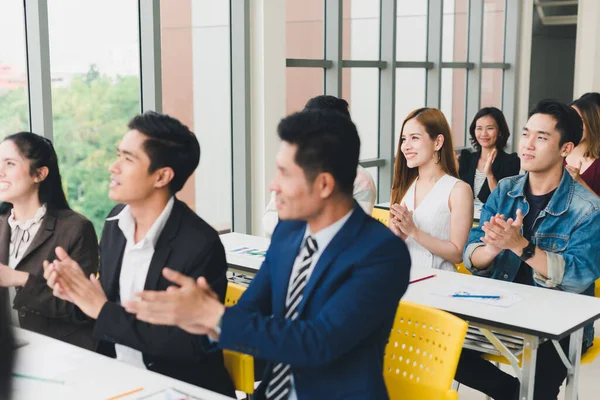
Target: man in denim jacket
{"x": 539, "y": 230}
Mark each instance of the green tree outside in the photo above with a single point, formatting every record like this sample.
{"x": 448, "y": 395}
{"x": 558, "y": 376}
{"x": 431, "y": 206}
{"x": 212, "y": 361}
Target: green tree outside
{"x": 90, "y": 116}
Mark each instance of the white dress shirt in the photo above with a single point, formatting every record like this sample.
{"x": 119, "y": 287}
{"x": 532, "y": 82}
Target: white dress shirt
{"x": 21, "y": 236}
{"x": 323, "y": 238}
{"x": 135, "y": 265}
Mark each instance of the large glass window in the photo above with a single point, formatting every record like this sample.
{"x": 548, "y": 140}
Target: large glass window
{"x": 195, "y": 44}
{"x": 454, "y": 102}
{"x": 362, "y": 94}
{"x": 411, "y": 30}
{"x": 491, "y": 87}
{"x": 360, "y": 30}
{"x": 302, "y": 84}
{"x": 94, "y": 53}
{"x": 360, "y": 86}
{"x": 410, "y": 95}
{"x": 304, "y": 39}
{"x": 494, "y": 21}
{"x": 304, "y": 27}
{"x": 493, "y": 30}
{"x": 455, "y": 37}
{"x": 14, "y": 105}
{"x": 430, "y": 35}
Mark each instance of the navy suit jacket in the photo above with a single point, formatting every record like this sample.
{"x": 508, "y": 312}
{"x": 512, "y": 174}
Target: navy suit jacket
{"x": 335, "y": 347}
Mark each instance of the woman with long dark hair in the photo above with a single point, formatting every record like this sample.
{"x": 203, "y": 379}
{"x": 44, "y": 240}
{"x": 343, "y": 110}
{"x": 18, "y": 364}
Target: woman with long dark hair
{"x": 489, "y": 163}
{"x": 431, "y": 209}
{"x": 35, "y": 218}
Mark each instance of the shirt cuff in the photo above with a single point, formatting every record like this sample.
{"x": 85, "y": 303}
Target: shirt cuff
{"x": 469, "y": 266}
{"x": 556, "y": 271}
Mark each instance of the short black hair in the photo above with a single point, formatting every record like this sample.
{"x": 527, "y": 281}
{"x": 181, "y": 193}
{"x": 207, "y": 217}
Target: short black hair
{"x": 568, "y": 122}
{"x": 170, "y": 144}
{"x": 503, "y": 131}
{"x": 327, "y": 142}
{"x": 594, "y": 97}
{"x": 327, "y": 102}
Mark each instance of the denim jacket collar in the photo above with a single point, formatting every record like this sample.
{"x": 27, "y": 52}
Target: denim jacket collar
{"x": 559, "y": 203}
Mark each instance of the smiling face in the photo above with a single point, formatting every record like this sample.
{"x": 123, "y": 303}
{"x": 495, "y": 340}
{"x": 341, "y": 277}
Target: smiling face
{"x": 16, "y": 183}
{"x": 539, "y": 148}
{"x": 295, "y": 197}
{"x": 417, "y": 146}
{"x": 130, "y": 180}
{"x": 486, "y": 131}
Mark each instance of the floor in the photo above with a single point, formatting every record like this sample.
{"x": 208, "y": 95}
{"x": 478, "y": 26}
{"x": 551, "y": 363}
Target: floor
{"x": 589, "y": 387}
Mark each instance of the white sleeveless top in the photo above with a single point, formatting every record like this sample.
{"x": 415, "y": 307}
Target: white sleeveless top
{"x": 433, "y": 217}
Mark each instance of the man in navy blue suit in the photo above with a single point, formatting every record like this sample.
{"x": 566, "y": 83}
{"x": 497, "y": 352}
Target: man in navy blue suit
{"x": 322, "y": 305}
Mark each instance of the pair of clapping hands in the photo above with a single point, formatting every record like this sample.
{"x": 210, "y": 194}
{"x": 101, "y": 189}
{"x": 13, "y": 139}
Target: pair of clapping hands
{"x": 190, "y": 304}
{"x": 401, "y": 221}
{"x": 504, "y": 234}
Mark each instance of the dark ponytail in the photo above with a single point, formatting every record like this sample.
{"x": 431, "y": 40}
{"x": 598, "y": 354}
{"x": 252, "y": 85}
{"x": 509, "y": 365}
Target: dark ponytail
{"x": 40, "y": 153}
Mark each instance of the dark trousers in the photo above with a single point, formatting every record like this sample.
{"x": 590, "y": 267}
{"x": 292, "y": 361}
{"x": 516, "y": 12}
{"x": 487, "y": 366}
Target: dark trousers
{"x": 482, "y": 375}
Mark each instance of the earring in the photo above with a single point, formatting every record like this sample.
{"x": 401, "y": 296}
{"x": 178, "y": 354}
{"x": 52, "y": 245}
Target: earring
{"x": 439, "y": 157}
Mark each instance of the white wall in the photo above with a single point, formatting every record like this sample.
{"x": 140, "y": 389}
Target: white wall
{"x": 267, "y": 66}
{"x": 523, "y": 69}
{"x": 587, "y": 52}
{"x": 212, "y": 110}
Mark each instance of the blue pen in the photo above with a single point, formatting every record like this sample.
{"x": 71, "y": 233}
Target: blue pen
{"x": 475, "y": 296}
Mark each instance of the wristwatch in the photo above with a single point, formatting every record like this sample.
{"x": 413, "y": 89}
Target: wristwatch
{"x": 528, "y": 251}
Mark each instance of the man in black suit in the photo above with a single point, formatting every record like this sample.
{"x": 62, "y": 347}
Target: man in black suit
{"x": 149, "y": 230}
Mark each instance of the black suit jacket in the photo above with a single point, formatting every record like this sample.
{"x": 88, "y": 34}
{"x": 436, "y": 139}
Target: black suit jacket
{"x": 504, "y": 165}
{"x": 189, "y": 245}
{"x": 39, "y": 310}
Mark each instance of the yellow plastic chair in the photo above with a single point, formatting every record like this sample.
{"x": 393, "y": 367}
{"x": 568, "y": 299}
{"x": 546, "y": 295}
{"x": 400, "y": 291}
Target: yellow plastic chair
{"x": 460, "y": 268}
{"x": 422, "y": 353}
{"x": 240, "y": 366}
{"x": 382, "y": 215}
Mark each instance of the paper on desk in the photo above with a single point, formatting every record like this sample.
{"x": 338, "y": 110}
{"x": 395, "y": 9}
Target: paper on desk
{"x": 249, "y": 251}
{"x": 30, "y": 389}
{"x": 169, "y": 394}
{"x": 507, "y": 298}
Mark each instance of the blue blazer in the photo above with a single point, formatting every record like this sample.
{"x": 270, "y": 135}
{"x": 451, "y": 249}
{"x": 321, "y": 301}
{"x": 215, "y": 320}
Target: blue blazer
{"x": 335, "y": 347}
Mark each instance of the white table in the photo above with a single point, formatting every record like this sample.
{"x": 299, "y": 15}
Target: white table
{"x": 541, "y": 314}
{"x": 241, "y": 251}
{"x": 86, "y": 375}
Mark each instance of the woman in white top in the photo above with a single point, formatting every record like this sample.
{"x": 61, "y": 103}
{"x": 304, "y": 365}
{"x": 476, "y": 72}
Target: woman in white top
{"x": 431, "y": 209}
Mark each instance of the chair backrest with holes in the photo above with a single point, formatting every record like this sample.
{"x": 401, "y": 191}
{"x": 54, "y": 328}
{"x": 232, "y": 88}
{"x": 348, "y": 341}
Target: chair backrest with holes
{"x": 240, "y": 366}
{"x": 233, "y": 294}
{"x": 382, "y": 215}
{"x": 422, "y": 353}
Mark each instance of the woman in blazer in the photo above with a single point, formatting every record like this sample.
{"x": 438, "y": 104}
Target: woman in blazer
{"x": 489, "y": 163}
{"x": 35, "y": 218}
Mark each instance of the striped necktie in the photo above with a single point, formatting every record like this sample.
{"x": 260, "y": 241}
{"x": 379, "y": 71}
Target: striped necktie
{"x": 280, "y": 384}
